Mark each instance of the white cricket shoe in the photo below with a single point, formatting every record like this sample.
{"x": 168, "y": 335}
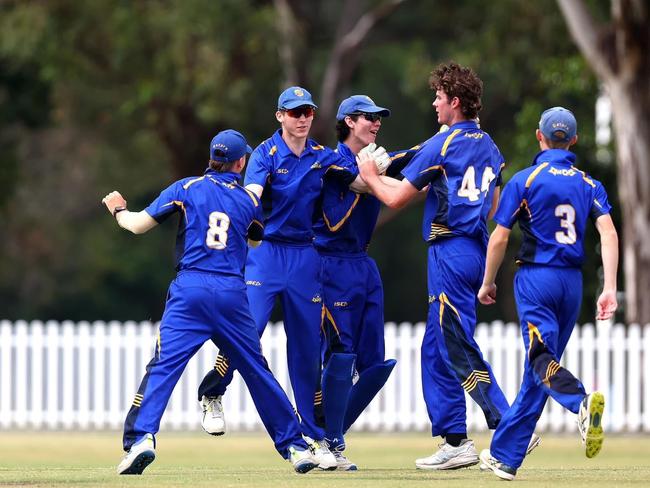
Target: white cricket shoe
{"x": 590, "y": 423}
{"x": 535, "y": 441}
{"x": 302, "y": 459}
{"x": 342, "y": 462}
{"x": 141, "y": 455}
{"x": 213, "y": 421}
{"x": 449, "y": 457}
{"x": 319, "y": 449}
{"x": 502, "y": 470}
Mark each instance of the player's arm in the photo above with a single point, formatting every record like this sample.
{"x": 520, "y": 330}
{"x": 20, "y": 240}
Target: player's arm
{"x": 136, "y": 222}
{"x": 607, "y": 304}
{"x": 495, "y": 202}
{"x": 495, "y": 252}
{"x": 394, "y": 194}
{"x": 255, "y": 188}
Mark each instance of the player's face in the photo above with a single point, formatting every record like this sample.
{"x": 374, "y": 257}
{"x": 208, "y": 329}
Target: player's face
{"x": 296, "y": 122}
{"x": 365, "y": 128}
{"x": 442, "y": 104}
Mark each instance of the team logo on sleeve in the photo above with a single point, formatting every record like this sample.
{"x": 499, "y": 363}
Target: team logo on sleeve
{"x": 316, "y": 165}
{"x": 317, "y": 298}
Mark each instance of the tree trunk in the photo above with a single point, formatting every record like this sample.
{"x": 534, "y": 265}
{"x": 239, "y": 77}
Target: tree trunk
{"x": 632, "y": 130}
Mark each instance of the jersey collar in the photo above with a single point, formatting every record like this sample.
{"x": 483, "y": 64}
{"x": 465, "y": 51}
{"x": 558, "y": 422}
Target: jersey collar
{"x": 464, "y": 124}
{"x": 283, "y": 149}
{"x": 227, "y": 176}
{"x": 555, "y": 156}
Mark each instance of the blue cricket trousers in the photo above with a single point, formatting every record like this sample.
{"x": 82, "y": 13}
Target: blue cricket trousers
{"x": 548, "y": 302}
{"x": 354, "y": 307}
{"x": 202, "y": 306}
{"x": 452, "y": 362}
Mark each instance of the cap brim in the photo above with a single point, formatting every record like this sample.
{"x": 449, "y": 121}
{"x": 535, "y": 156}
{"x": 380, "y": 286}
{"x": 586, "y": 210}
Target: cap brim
{"x": 372, "y": 109}
{"x": 297, "y": 103}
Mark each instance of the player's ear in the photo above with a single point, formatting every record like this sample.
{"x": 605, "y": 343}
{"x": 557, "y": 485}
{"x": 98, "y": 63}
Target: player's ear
{"x": 279, "y": 116}
{"x": 574, "y": 140}
{"x": 538, "y": 135}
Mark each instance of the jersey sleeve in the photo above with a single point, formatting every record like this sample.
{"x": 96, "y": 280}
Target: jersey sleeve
{"x": 425, "y": 166}
{"x": 399, "y": 160}
{"x": 258, "y": 168}
{"x": 170, "y": 200}
{"x": 600, "y": 204}
{"x": 510, "y": 204}
{"x": 338, "y": 168}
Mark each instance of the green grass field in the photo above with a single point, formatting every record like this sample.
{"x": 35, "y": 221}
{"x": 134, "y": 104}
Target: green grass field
{"x": 249, "y": 460}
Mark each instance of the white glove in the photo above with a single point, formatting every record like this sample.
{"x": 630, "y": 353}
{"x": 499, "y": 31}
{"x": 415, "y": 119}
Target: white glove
{"x": 382, "y": 159}
{"x": 443, "y": 128}
{"x": 368, "y": 149}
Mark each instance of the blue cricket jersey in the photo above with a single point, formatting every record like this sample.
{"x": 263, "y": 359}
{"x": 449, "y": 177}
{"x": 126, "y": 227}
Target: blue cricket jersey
{"x": 216, "y": 216}
{"x": 552, "y": 201}
{"x": 462, "y": 167}
{"x": 292, "y": 186}
{"x": 348, "y": 219}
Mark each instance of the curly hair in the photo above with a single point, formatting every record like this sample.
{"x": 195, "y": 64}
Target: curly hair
{"x": 457, "y": 81}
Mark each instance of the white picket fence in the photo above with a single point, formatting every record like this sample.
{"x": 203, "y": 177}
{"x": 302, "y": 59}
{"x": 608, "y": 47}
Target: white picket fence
{"x": 84, "y": 376}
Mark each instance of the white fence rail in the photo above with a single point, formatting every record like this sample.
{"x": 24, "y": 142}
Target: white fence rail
{"x": 84, "y": 376}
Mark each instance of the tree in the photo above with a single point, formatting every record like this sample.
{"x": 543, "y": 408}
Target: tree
{"x": 618, "y": 53}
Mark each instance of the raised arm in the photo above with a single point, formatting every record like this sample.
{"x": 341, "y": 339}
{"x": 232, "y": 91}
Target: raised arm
{"x": 136, "y": 222}
{"x": 607, "y": 304}
{"x": 393, "y": 193}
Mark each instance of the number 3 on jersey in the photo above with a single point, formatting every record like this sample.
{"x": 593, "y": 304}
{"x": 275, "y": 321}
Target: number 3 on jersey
{"x": 217, "y": 238}
{"x": 567, "y": 216}
{"x": 468, "y": 187}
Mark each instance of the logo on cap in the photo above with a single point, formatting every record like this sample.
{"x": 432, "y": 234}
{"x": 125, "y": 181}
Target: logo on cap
{"x": 298, "y": 92}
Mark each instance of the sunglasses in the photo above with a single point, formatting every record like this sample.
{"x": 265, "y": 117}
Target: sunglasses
{"x": 369, "y": 117}
{"x": 296, "y": 113}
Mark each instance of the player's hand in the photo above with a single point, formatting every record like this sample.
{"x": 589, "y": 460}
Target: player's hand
{"x": 114, "y": 200}
{"x": 606, "y": 305}
{"x": 382, "y": 159}
{"x": 487, "y": 294}
{"x": 367, "y": 165}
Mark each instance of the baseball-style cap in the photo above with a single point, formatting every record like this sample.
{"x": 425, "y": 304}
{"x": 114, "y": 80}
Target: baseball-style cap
{"x": 293, "y": 97}
{"x": 231, "y": 143}
{"x": 558, "y": 124}
{"x": 360, "y": 103}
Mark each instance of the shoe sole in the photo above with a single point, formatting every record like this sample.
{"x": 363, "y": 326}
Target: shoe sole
{"x": 327, "y": 468}
{"x": 449, "y": 465}
{"x": 501, "y": 474}
{"x": 140, "y": 462}
{"x": 304, "y": 467}
{"x": 595, "y": 436}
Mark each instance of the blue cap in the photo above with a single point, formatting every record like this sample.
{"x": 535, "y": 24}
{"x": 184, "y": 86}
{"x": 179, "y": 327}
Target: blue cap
{"x": 360, "y": 103}
{"x": 558, "y": 124}
{"x": 231, "y": 143}
{"x": 293, "y": 97}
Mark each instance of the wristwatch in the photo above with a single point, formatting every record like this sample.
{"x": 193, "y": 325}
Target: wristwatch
{"x": 117, "y": 210}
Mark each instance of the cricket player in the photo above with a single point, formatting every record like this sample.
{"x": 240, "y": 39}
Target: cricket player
{"x": 207, "y": 301}
{"x": 353, "y": 313}
{"x": 287, "y": 172}
{"x": 552, "y": 201}
{"x": 462, "y": 169}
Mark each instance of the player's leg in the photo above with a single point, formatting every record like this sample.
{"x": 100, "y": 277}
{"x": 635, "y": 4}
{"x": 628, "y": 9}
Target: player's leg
{"x": 234, "y": 332}
{"x": 302, "y": 306}
{"x": 181, "y": 335}
{"x": 373, "y": 370}
{"x": 344, "y": 299}
{"x": 460, "y": 264}
{"x": 443, "y": 394}
{"x": 263, "y": 281}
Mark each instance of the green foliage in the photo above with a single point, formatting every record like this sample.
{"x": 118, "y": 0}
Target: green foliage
{"x": 104, "y": 95}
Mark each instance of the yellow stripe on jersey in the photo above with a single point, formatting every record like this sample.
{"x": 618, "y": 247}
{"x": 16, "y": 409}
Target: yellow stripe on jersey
{"x": 450, "y": 137}
{"x": 191, "y": 182}
{"x": 585, "y": 177}
{"x": 534, "y": 174}
{"x": 337, "y": 226}
{"x": 252, "y": 195}
{"x": 179, "y": 204}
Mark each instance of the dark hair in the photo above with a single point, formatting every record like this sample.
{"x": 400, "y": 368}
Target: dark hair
{"x": 342, "y": 129}
{"x": 221, "y": 166}
{"x": 457, "y": 81}
{"x": 557, "y": 144}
